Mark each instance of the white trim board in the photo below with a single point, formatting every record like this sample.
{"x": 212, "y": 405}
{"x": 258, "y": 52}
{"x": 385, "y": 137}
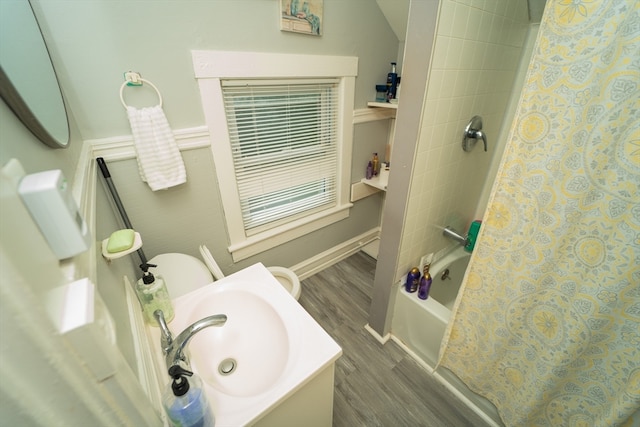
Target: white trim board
{"x": 335, "y": 254}
{"x": 122, "y": 147}
{"x": 224, "y": 64}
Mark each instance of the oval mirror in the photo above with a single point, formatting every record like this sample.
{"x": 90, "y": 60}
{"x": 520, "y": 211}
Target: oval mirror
{"x": 28, "y": 82}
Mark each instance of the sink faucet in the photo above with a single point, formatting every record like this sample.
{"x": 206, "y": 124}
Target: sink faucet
{"x": 453, "y": 234}
{"x": 173, "y": 348}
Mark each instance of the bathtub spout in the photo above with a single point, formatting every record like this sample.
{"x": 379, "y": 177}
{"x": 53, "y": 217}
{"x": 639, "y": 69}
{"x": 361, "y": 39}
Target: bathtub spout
{"x": 453, "y": 234}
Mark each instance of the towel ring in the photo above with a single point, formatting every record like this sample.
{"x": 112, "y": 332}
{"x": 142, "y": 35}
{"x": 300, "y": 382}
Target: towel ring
{"x": 144, "y": 81}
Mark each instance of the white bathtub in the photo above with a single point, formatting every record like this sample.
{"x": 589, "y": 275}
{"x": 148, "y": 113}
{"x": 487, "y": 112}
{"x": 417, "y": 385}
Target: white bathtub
{"x": 418, "y": 326}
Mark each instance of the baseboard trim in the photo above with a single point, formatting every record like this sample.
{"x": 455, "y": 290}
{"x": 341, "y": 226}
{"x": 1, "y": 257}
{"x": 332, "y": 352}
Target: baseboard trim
{"x": 380, "y": 339}
{"x": 442, "y": 380}
{"x": 334, "y": 255}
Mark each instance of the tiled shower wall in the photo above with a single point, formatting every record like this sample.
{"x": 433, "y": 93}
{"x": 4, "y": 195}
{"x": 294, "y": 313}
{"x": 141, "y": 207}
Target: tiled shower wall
{"x": 476, "y": 56}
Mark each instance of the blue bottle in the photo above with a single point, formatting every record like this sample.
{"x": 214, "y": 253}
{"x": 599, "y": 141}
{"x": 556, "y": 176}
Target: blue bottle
{"x": 413, "y": 278}
{"x": 425, "y": 283}
{"x": 185, "y": 403}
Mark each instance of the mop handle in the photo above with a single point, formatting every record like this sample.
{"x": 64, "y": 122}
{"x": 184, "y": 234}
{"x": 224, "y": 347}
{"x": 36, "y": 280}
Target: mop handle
{"x": 118, "y": 202}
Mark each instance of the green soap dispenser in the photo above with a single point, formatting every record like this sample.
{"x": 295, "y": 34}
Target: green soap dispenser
{"x": 153, "y": 295}
{"x": 185, "y": 402}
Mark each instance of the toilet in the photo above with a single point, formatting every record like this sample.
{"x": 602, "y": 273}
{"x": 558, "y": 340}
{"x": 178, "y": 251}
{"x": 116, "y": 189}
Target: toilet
{"x": 184, "y": 273}
{"x": 287, "y": 278}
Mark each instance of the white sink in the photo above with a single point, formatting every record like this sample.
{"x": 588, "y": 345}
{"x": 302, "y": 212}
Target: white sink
{"x": 271, "y": 345}
{"x": 253, "y": 345}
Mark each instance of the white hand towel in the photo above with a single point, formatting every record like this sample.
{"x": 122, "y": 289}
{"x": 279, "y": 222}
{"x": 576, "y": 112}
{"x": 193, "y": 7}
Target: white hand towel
{"x": 159, "y": 160}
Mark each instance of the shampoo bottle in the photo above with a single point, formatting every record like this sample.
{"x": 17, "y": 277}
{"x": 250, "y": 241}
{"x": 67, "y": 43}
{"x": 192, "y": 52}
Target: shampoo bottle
{"x": 185, "y": 402}
{"x": 376, "y": 164}
{"x": 153, "y": 295}
{"x": 413, "y": 279}
{"x": 425, "y": 283}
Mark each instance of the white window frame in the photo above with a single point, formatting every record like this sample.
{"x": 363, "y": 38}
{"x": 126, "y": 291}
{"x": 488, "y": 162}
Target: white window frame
{"x": 211, "y": 67}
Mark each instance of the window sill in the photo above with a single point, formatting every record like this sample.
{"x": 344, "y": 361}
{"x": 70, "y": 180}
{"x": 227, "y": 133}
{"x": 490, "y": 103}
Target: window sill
{"x": 269, "y": 239}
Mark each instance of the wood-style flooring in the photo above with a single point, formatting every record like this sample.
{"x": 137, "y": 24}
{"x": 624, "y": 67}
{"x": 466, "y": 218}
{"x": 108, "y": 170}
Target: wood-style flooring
{"x": 375, "y": 384}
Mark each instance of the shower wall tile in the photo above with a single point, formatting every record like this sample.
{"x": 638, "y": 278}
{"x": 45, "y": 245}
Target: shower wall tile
{"x": 460, "y": 17}
{"x": 475, "y": 58}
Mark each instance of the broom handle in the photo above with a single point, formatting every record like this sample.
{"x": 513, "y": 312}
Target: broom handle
{"x": 118, "y": 202}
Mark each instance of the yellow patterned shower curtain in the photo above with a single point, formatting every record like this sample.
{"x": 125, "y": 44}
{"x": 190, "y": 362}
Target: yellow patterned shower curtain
{"x": 547, "y": 326}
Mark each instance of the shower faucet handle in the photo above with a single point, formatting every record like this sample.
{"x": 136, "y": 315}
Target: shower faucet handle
{"x": 480, "y": 135}
{"x": 473, "y": 132}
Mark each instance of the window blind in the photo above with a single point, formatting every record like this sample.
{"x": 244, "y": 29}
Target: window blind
{"x": 284, "y": 146}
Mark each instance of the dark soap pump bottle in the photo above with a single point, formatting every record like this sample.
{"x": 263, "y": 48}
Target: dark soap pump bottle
{"x": 413, "y": 278}
{"x": 425, "y": 283}
{"x": 392, "y": 82}
{"x": 185, "y": 401}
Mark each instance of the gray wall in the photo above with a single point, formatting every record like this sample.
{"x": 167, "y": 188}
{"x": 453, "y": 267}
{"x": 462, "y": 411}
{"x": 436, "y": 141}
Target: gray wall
{"x": 420, "y": 32}
{"x": 16, "y": 141}
{"x": 93, "y": 43}
{"x": 96, "y": 41}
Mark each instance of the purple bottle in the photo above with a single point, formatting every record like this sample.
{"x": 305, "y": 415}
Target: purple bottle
{"x": 413, "y": 278}
{"x": 425, "y": 284}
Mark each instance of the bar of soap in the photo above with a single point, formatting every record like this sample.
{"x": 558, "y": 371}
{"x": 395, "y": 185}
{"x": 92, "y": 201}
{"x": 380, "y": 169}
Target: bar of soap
{"x": 121, "y": 240}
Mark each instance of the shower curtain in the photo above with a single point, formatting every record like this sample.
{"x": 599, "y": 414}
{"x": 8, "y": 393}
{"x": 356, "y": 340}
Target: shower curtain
{"x": 547, "y": 325}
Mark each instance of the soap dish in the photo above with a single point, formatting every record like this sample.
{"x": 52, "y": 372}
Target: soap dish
{"x": 137, "y": 244}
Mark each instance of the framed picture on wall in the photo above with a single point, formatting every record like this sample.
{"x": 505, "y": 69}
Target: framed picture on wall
{"x": 301, "y": 16}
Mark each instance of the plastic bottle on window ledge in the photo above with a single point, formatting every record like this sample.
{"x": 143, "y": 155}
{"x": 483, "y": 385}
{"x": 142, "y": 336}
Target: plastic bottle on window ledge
{"x": 376, "y": 164}
{"x": 369, "y": 170}
{"x": 392, "y": 83}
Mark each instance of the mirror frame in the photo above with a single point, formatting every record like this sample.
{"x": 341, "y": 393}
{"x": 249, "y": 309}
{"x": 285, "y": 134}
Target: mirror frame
{"x": 10, "y": 93}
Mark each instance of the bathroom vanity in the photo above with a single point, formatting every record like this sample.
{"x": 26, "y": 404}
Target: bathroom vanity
{"x": 270, "y": 364}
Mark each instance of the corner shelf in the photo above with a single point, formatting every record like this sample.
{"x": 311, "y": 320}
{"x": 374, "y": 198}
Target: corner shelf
{"x": 380, "y": 182}
{"x": 378, "y": 111}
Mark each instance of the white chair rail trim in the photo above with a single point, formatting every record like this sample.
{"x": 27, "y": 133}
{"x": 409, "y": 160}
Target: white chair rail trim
{"x": 121, "y": 147}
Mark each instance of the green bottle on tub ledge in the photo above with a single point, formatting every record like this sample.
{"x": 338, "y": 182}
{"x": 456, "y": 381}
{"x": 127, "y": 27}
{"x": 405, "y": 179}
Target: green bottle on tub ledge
{"x": 472, "y": 236}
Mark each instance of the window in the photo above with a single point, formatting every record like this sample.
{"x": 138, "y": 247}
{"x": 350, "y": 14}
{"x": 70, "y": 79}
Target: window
{"x": 280, "y": 130}
{"x": 284, "y": 143}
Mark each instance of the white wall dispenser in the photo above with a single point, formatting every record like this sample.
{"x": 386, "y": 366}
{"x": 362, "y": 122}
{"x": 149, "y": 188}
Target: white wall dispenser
{"x": 47, "y": 196}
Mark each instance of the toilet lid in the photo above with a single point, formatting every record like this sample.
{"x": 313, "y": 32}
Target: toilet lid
{"x": 182, "y": 273}
{"x": 211, "y": 262}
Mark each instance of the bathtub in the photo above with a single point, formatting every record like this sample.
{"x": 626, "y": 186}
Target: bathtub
{"x": 418, "y": 326}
